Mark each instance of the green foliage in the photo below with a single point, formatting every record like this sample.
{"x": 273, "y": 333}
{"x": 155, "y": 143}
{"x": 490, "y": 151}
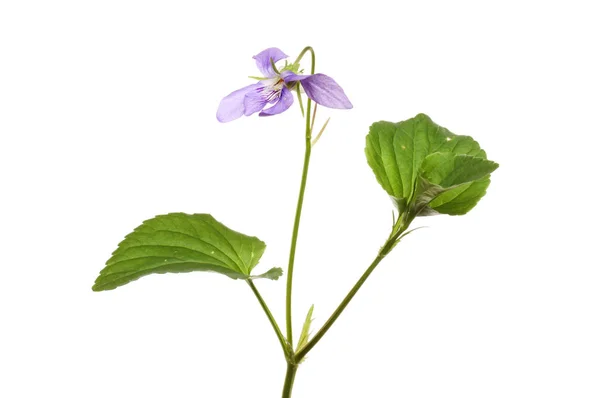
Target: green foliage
{"x": 426, "y": 169}
{"x": 179, "y": 242}
{"x": 273, "y": 274}
{"x": 305, "y": 334}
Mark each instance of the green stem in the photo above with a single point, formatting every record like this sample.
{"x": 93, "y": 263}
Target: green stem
{"x": 389, "y": 244}
{"x": 300, "y": 98}
{"x": 290, "y": 273}
{"x": 314, "y": 116}
{"x": 308, "y": 147}
{"x": 289, "y": 380}
{"x": 312, "y": 53}
{"x": 263, "y": 304}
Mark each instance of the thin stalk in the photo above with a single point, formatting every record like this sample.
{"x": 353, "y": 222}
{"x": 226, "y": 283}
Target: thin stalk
{"x": 289, "y": 380}
{"x": 307, "y": 152}
{"x": 304, "y": 51}
{"x": 321, "y": 132}
{"x": 300, "y": 98}
{"x": 389, "y": 244}
{"x": 314, "y": 116}
{"x": 290, "y": 273}
{"x": 265, "y": 307}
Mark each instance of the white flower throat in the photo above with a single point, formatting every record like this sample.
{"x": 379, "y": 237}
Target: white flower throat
{"x": 271, "y": 89}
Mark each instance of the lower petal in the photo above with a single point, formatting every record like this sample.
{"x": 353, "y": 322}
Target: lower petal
{"x": 232, "y": 106}
{"x": 286, "y": 99}
{"x": 255, "y": 101}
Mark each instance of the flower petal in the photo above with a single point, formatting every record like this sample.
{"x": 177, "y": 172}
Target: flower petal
{"x": 263, "y": 60}
{"x": 289, "y": 76}
{"x": 286, "y": 99}
{"x": 232, "y": 106}
{"x": 322, "y": 89}
{"x": 255, "y": 100}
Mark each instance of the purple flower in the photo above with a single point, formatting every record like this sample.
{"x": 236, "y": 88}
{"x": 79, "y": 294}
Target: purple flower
{"x": 272, "y": 94}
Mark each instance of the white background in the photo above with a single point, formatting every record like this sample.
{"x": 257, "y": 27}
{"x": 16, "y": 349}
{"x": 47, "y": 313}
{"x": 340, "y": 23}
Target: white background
{"x": 107, "y": 118}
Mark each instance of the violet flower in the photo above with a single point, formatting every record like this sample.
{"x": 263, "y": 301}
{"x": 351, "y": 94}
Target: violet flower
{"x": 272, "y": 94}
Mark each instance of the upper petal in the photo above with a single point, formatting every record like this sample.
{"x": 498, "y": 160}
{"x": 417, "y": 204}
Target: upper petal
{"x": 263, "y": 60}
{"x": 322, "y": 89}
{"x": 286, "y": 99}
{"x": 232, "y": 106}
{"x": 289, "y": 76}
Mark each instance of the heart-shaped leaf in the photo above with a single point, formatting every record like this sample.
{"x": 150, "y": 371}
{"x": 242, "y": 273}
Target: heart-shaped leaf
{"x": 425, "y": 168}
{"x": 179, "y": 242}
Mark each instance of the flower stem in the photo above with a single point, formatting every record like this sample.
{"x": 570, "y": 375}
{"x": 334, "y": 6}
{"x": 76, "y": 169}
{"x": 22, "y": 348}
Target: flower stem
{"x": 290, "y": 272}
{"x": 304, "y": 51}
{"x": 263, "y": 304}
{"x": 289, "y": 380}
{"x": 307, "y": 152}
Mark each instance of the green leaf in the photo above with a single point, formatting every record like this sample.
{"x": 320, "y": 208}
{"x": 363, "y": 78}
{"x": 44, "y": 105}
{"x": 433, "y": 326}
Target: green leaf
{"x": 273, "y": 274}
{"x": 305, "y": 334}
{"x": 180, "y": 242}
{"x": 449, "y": 170}
{"x": 447, "y": 173}
{"x": 460, "y": 200}
{"x": 425, "y": 168}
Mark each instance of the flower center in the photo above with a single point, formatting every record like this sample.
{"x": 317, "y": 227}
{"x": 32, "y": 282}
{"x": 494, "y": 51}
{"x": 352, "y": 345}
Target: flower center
{"x": 271, "y": 89}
